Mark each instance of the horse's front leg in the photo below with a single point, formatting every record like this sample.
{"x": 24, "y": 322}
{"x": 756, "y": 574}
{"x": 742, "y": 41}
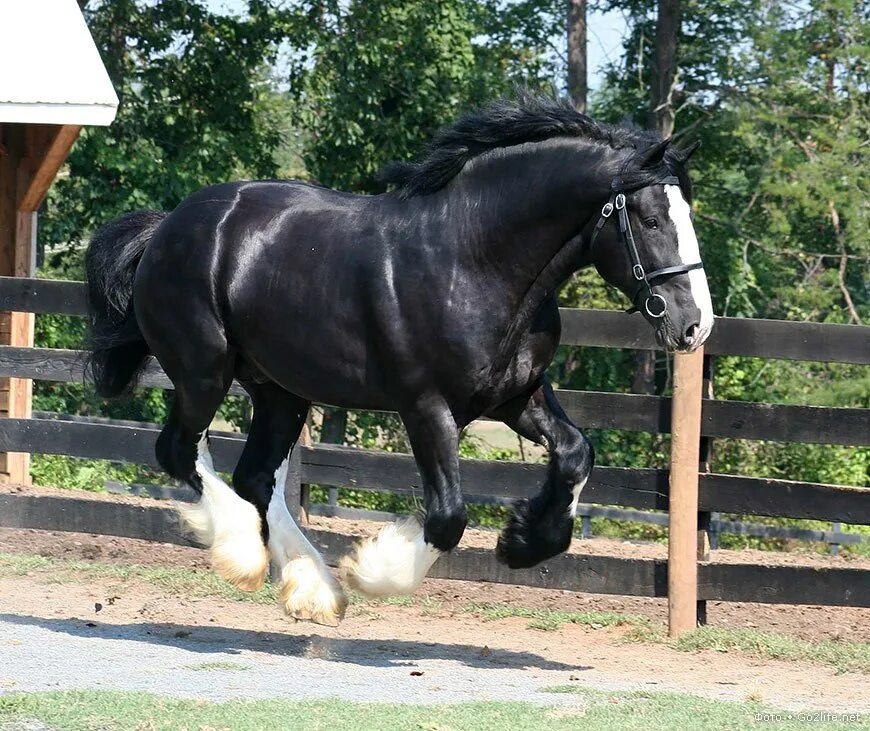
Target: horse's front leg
{"x": 541, "y": 527}
{"x": 396, "y": 561}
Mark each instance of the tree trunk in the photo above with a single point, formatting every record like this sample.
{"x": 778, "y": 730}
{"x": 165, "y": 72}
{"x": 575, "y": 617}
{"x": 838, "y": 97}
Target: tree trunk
{"x": 577, "y": 71}
{"x": 661, "y": 119}
{"x": 644, "y": 380}
{"x": 664, "y": 67}
{"x": 334, "y": 425}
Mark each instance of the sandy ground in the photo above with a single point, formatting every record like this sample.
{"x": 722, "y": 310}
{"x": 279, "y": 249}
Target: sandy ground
{"x": 145, "y": 637}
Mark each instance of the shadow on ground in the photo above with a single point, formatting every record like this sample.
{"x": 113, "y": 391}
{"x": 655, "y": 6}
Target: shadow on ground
{"x": 364, "y": 652}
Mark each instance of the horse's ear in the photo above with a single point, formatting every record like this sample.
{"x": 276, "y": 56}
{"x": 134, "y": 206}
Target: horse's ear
{"x": 682, "y": 154}
{"x": 654, "y": 155}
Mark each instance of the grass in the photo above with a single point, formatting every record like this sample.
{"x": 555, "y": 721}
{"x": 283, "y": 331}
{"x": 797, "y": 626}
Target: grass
{"x": 218, "y": 666}
{"x": 550, "y": 619}
{"x": 840, "y": 654}
{"x": 189, "y": 582}
{"x": 114, "y": 711}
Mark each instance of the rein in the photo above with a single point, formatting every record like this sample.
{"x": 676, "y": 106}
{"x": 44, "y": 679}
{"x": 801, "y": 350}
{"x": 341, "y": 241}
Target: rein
{"x": 654, "y": 304}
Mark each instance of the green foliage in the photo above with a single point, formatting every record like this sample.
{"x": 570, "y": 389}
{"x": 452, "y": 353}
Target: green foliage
{"x": 86, "y": 474}
{"x": 385, "y": 75}
{"x": 853, "y": 656}
{"x": 550, "y": 620}
{"x": 777, "y": 95}
{"x": 195, "y": 108}
{"x": 607, "y": 711}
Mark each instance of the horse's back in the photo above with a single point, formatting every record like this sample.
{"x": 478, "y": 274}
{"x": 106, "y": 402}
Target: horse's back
{"x": 282, "y": 267}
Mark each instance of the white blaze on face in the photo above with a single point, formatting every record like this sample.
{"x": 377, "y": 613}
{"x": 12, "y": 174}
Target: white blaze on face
{"x": 689, "y": 252}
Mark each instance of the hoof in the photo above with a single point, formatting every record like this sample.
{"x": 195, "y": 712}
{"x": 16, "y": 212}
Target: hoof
{"x": 307, "y": 594}
{"x": 393, "y": 563}
{"x": 241, "y": 560}
{"x": 529, "y": 538}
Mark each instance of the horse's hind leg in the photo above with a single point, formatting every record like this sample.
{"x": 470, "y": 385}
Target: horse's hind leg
{"x": 308, "y": 591}
{"x": 541, "y": 527}
{"x": 201, "y": 371}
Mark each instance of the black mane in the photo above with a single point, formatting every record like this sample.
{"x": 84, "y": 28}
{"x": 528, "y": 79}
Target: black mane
{"x": 505, "y": 123}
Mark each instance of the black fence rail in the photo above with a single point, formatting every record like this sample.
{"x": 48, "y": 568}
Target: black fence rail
{"x": 493, "y": 481}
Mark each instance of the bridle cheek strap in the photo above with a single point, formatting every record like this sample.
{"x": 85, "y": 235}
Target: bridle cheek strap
{"x": 654, "y": 304}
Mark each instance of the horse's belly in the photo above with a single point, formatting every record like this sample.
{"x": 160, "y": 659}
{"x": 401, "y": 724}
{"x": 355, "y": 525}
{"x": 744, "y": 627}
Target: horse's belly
{"x": 334, "y": 374}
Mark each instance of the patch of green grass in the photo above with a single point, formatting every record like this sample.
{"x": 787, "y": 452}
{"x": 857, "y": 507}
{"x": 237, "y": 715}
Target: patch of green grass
{"x": 189, "y": 582}
{"x": 217, "y": 666}
{"x": 838, "y": 653}
{"x": 354, "y": 597}
{"x": 551, "y": 619}
{"x": 114, "y": 711}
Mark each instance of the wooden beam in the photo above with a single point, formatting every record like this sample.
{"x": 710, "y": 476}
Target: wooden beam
{"x": 683, "y": 523}
{"x": 594, "y": 410}
{"x": 44, "y": 162}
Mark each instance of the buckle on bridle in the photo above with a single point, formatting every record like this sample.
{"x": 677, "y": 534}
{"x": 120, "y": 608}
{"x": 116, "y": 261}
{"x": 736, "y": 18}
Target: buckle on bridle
{"x": 664, "y": 306}
{"x": 607, "y": 210}
{"x": 638, "y": 272}
{"x": 620, "y": 201}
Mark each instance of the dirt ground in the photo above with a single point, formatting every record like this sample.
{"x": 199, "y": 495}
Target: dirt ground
{"x": 426, "y": 634}
{"x": 419, "y": 633}
{"x": 804, "y": 621}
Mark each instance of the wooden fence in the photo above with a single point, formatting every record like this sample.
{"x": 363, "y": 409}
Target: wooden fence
{"x": 486, "y": 481}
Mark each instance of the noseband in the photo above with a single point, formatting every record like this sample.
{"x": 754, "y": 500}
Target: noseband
{"x": 654, "y": 304}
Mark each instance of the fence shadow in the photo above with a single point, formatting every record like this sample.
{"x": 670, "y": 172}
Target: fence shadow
{"x": 228, "y": 640}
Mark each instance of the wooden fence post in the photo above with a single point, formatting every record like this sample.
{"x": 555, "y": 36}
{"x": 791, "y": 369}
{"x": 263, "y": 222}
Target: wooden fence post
{"x": 683, "y": 504}
{"x": 293, "y": 483}
{"x": 293, "y": 495}
{"x": 834, "y": 548}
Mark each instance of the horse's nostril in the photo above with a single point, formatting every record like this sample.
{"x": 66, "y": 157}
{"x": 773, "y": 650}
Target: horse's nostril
{"x": 692, "y": 331}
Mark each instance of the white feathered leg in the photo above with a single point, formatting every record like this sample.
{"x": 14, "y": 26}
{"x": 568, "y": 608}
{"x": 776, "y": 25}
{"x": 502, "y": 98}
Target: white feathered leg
{"x": 308, "y": 590}
{"x": 394, "y": 562}
{"x": 229, "y": 525}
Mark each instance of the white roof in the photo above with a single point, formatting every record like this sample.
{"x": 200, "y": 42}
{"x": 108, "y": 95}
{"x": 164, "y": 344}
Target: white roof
{"x": 50, "y": 70}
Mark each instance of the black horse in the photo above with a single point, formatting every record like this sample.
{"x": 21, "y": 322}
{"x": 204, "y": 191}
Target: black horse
{"x": 437, "y": 301}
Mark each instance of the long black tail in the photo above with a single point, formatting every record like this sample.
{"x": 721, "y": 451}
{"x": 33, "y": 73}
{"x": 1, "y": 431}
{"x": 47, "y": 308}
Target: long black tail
{"x": 118, "y": 350}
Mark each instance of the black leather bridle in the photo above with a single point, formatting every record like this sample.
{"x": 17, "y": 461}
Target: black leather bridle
{"x": 654, "y": 304}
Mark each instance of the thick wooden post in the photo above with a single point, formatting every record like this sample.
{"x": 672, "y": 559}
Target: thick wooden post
{"x": 683, "y": 515}
{"x": 15, "y": 234}
{"x": 30, "y": 157}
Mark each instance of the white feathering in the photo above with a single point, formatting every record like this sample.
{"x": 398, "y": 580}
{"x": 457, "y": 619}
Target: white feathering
{"x": 395, "y": 562}
{"x": 229, "y": 525}
{"x": 308, "y": 590}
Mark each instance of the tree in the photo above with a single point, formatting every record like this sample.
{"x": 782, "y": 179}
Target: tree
{"x": 195, "y": 108}
{"x": 385, "y": 75}
{"x": 577, "y": 68}
{"x": 664, "y": 67}
{"x": 778, "y": 96}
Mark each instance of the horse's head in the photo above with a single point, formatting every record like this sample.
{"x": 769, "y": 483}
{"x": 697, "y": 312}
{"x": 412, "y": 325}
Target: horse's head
{"x": 644, "y": 243}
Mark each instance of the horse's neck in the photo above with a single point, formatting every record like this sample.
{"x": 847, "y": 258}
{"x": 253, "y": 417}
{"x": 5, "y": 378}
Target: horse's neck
{"x": 528, "y": 212}
{"x": 532, "y": 213}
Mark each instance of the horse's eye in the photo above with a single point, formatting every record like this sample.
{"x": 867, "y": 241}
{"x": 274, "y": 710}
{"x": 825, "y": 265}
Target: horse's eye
{"x": 650, "y": 223}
